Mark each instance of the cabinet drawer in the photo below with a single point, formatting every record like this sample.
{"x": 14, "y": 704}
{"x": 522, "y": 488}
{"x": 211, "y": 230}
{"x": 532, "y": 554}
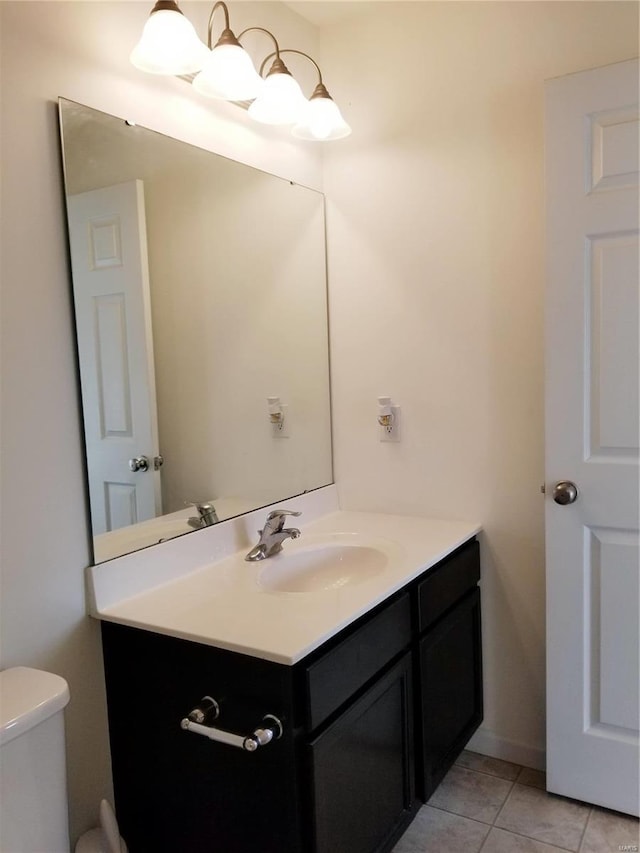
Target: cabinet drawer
{"x": 447, "y": 583}
{"x": 336, "y": 676}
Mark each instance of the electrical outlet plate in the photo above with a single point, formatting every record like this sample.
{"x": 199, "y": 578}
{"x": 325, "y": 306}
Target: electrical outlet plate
{"x": 282, "y": 430}
{"x": 391, "y": 433}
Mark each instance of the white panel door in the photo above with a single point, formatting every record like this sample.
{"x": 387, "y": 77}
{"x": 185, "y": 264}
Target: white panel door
{"x": 592, "y": 432}
{"x": 113, "y": 316}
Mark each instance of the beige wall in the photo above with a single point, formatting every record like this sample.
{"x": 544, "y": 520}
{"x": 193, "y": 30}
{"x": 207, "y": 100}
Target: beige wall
{"x": 436, "y": 270}
{"x": 249, "y": 323}
{"x": 79, "y": 50}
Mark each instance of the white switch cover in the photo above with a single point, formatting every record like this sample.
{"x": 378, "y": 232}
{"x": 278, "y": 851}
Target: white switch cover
{"x": 391, "y": 433}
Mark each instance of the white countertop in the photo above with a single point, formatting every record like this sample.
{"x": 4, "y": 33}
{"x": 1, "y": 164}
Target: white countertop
{"x": 223, "y": 602}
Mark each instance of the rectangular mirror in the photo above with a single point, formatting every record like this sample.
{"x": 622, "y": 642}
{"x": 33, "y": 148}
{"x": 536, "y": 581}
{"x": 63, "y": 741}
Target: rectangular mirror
{"x": 201, "y": 316}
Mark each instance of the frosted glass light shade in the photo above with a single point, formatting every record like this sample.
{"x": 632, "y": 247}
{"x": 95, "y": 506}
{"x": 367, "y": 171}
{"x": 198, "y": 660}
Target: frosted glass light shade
{"x": 228, "y": 73}
{"x": 280, "y": 102}
{"x": 169, "y": 45}
{"x": 322, "y": 120}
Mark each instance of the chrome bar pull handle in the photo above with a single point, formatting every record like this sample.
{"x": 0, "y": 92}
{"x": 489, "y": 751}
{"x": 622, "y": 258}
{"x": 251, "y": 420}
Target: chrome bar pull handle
{"x": 272, "y": 730}
{"x": 207, "y": 708}
{"x": 270, "y": 727}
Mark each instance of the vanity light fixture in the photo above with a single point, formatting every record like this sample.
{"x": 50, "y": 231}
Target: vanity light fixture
{"x": 228, "y": 71}
{"x": 169, "y": 45}
{"x": 281, "y": 100}
{"x": 320, "y": 118}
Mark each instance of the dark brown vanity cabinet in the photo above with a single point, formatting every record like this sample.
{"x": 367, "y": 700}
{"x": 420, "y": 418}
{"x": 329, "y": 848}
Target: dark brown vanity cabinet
{"x": 369, "y": 720}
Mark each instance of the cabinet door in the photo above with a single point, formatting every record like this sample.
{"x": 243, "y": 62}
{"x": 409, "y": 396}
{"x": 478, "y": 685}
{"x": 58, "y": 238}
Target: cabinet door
{"x": 178, "y": 792}
{"x": 450, "y": 691}
{"x": 362, "y": 769}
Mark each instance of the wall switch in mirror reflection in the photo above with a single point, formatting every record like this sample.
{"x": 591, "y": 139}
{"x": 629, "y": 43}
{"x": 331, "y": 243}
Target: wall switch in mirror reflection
{"x": 391, "y": 432}
{"x": 282, "y": 430}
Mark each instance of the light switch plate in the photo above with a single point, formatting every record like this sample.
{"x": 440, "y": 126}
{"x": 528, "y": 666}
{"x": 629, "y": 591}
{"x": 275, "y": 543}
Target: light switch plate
{"x": 278, "y": 431}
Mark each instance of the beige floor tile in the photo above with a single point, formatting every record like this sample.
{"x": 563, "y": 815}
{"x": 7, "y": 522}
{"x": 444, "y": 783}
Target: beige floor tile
{"x": 544, "y": 817}
{"x": 534, "y": 778}
{"x": 609, "y": 831}
{"x": 485, "y": 764}
{"x": 501, "y": 841}
{"x": 474, "y": 795}
{"x": 433, "y": 831}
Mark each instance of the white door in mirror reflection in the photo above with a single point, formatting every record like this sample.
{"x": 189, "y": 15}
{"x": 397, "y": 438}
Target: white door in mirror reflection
{"x": 113, "y": 315}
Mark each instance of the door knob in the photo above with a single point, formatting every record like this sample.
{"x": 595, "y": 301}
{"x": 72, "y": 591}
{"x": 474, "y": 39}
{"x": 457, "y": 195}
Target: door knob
{"x": 565, "y": 492}
{"x": 139, "y": 463}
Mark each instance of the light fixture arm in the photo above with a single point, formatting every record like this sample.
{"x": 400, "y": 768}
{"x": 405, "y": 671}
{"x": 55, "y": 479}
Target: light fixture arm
{"x": 277, "y": 50}
{"x": 292, "y": 50}
{"x": 227, "y": 36}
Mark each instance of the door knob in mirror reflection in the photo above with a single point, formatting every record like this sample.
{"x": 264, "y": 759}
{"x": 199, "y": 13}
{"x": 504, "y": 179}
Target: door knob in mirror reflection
{"x": 139, "y": 463}
{"x": 565, "y": 492}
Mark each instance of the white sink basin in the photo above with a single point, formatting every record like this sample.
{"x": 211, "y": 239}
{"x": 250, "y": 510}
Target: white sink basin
{"x": 328, "y": 565}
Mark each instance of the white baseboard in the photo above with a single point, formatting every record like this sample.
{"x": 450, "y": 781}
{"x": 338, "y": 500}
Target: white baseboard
{"x": 489, "y": 743}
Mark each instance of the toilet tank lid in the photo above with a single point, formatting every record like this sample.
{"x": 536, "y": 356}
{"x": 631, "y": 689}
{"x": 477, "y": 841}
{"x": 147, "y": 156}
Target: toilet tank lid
{"x": 27, "y": 697}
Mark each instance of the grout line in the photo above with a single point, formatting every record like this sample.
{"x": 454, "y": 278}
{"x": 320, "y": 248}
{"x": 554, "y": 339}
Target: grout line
{"x": 457, "y": 814}
{"x": 490, "y": 826}
{"x": 484, "y": 773}
{"x": 477, "y": 820}
{"x": 584, "y": 831}
{"x": 483, "y": 845}
{"x": 506, "y": 800}
{"x": 531, "y": 838}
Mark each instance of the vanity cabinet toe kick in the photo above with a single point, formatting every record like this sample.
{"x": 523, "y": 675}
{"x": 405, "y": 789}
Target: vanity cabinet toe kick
{"x": 337, "y": 752}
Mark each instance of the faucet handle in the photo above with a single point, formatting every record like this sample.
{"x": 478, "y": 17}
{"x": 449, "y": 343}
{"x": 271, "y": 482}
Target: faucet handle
{"x": 275, "y": 519}
{"x": 200, "y": 505}
{"x": 281, "y": 513}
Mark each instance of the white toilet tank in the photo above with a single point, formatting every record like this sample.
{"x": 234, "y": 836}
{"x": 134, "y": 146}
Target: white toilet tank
{"x": 33, "y": 784}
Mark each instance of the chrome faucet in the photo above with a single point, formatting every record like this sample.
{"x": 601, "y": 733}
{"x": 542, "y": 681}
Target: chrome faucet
{"x": 207, "y": 515}
{"x": 273, "y": 535}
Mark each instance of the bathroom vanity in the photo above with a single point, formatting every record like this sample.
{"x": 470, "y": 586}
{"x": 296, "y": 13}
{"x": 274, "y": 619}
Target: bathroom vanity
{"x": 369, "y": 715}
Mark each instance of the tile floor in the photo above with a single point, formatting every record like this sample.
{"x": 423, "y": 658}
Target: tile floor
{"x": 488, "y": 805}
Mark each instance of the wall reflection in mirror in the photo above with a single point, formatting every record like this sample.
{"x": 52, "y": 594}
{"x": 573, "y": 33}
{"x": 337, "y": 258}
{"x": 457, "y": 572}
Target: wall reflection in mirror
{"x": 201, "y": 312}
